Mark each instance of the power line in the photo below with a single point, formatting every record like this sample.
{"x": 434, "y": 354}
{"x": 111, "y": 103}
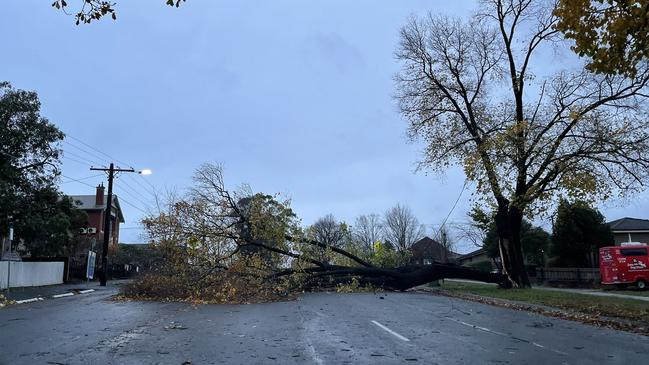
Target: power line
{"x": 76, "y": 180}
{"x": 111, "y": 158}
{"x": 152, "y": 192}
{"x": 100, "y": 158}
{"x": 134, "y": 190}
{"x": 133, "y": 196}
{"x": 452, "y": 208}
{"x": 92, "y": 162}
{"x": 97, "y": 150}
{"x": 77, "y": 161}
{"x": 80, "y": 179}
{"x": 132, "y": 205}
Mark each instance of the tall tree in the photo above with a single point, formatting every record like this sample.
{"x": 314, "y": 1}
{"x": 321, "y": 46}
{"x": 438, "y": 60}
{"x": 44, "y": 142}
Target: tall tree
{"x": 330, "y": 232}
{"x": 469, "y": 91}
{"x": 614, "y": 34}
{"x": 29, "y": 152}
{"x": 402, "y": 228}
{"x": 445, "y": 239}
{"x": 367, "y": 231}
{"x": 578, "y": 232}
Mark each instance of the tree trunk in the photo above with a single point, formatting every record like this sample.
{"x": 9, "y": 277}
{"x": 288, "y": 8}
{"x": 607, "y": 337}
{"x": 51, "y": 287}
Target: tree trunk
{"x": 508, "y": 226}
{"x": 400, "y": 278}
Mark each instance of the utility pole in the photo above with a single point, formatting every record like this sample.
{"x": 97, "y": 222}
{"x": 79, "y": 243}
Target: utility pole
{"x": 103, "y": 275}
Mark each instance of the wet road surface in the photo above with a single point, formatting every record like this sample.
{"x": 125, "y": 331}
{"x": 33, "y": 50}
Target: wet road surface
{"x": 383, "y": 328}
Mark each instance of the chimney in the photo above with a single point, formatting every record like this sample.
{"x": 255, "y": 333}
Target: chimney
{"x": 99, "y": 197}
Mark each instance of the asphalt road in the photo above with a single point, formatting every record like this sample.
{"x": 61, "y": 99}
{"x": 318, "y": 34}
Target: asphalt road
{"x": 322, "y": 328}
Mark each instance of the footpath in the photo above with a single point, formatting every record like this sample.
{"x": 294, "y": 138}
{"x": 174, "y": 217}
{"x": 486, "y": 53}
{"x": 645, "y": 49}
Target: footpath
{"x": 38, "y": 293}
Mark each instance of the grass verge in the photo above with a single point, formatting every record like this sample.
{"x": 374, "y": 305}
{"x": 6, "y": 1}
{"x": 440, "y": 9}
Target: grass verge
{"x": 619, "y": 313}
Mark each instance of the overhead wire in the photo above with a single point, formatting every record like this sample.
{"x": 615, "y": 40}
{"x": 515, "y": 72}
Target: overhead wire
{"x": 122, "y": 190}
{"x": 80, "y": 179}
{"x": 77, "y": 156}
{"x": 466, "y": 182}
{"x": 133, "y": 192}
{"x": 132, "y": 205}
{"x": 110, "y": 158}
{"x": 91, "y": 154}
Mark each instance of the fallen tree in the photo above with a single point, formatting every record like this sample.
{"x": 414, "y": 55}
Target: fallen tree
{"x": 225, "y": 246}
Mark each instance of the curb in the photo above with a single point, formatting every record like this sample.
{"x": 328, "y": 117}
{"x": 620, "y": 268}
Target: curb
{"x": 56, "y": 296}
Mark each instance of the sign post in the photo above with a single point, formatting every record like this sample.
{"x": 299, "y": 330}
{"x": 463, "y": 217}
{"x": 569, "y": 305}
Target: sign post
{"x": 11, "y": 240}
{"x": 90, "y": 267}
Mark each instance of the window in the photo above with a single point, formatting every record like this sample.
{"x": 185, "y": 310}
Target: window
{"x": 633, "y": 252}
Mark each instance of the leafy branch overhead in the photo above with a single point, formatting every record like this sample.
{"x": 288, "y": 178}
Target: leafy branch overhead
{"x": 87, "y": 11}
{"x": 614, "y": 34}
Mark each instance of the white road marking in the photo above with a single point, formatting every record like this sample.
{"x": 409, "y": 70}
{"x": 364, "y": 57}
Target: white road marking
{"x": 391, "y": 331}
{"x": 86, "y": 291}
{"x": 478, "y": 327}
{"x": 484, "y": 329}
{"x": 30, "y": 300}
{"x": 62, "y": 295}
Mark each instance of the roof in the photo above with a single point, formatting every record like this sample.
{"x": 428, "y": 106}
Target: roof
{"x": 478, "y": 252}
{"x": 87, "y": 202}
{"x": 629, "y": 224}
{"x": 429, "y": 246}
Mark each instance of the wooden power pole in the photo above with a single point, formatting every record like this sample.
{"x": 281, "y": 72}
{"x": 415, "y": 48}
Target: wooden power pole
{"x": 103, "y": 274}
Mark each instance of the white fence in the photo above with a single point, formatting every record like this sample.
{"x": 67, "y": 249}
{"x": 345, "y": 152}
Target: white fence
{"x": 31, "y": 273}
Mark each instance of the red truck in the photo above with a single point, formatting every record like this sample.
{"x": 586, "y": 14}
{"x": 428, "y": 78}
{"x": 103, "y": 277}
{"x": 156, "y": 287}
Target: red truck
{"x": 622, "y": 265}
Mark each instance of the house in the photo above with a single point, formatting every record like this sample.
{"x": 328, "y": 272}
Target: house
{"x": 630, "y": 230}
{"x": 475, "y": 258}
{"x": 427, "y": 251}
{"x": 95, "y": 207}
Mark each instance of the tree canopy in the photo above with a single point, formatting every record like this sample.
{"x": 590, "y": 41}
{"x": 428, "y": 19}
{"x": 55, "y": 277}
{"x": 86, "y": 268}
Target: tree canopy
{"x": 614, "y": 34}
{"x": 577, "y": 233}
{"x": 29, "y": 167}
{"x": 473, "y": 93}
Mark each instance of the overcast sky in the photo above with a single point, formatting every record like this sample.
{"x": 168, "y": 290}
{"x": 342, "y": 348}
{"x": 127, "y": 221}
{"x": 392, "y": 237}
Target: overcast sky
{"x": 292, "y": 97}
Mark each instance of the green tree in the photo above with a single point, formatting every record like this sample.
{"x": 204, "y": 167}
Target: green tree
{"x": 614, "y": 34}
{"x": 48, "y": 223}
{"x": 578, "y": 231}
{"x": 29, "y": 161}
{"x": 469, "y": 91}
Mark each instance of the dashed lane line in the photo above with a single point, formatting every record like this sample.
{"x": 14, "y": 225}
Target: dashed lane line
{"x": 484, "y": 329}
{"x": 402, "y": 338}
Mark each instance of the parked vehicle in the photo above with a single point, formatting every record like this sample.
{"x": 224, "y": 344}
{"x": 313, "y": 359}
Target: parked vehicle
{"x": 622, "y": 265}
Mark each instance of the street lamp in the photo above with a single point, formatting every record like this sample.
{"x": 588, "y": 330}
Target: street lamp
{"x": 145, "y": 172}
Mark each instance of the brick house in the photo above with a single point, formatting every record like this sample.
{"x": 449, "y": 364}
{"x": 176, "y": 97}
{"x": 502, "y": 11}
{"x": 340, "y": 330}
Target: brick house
{"x": 95, "y": 207}
{"x": 630, "y": 230}
{"x": 427, "y": 251}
